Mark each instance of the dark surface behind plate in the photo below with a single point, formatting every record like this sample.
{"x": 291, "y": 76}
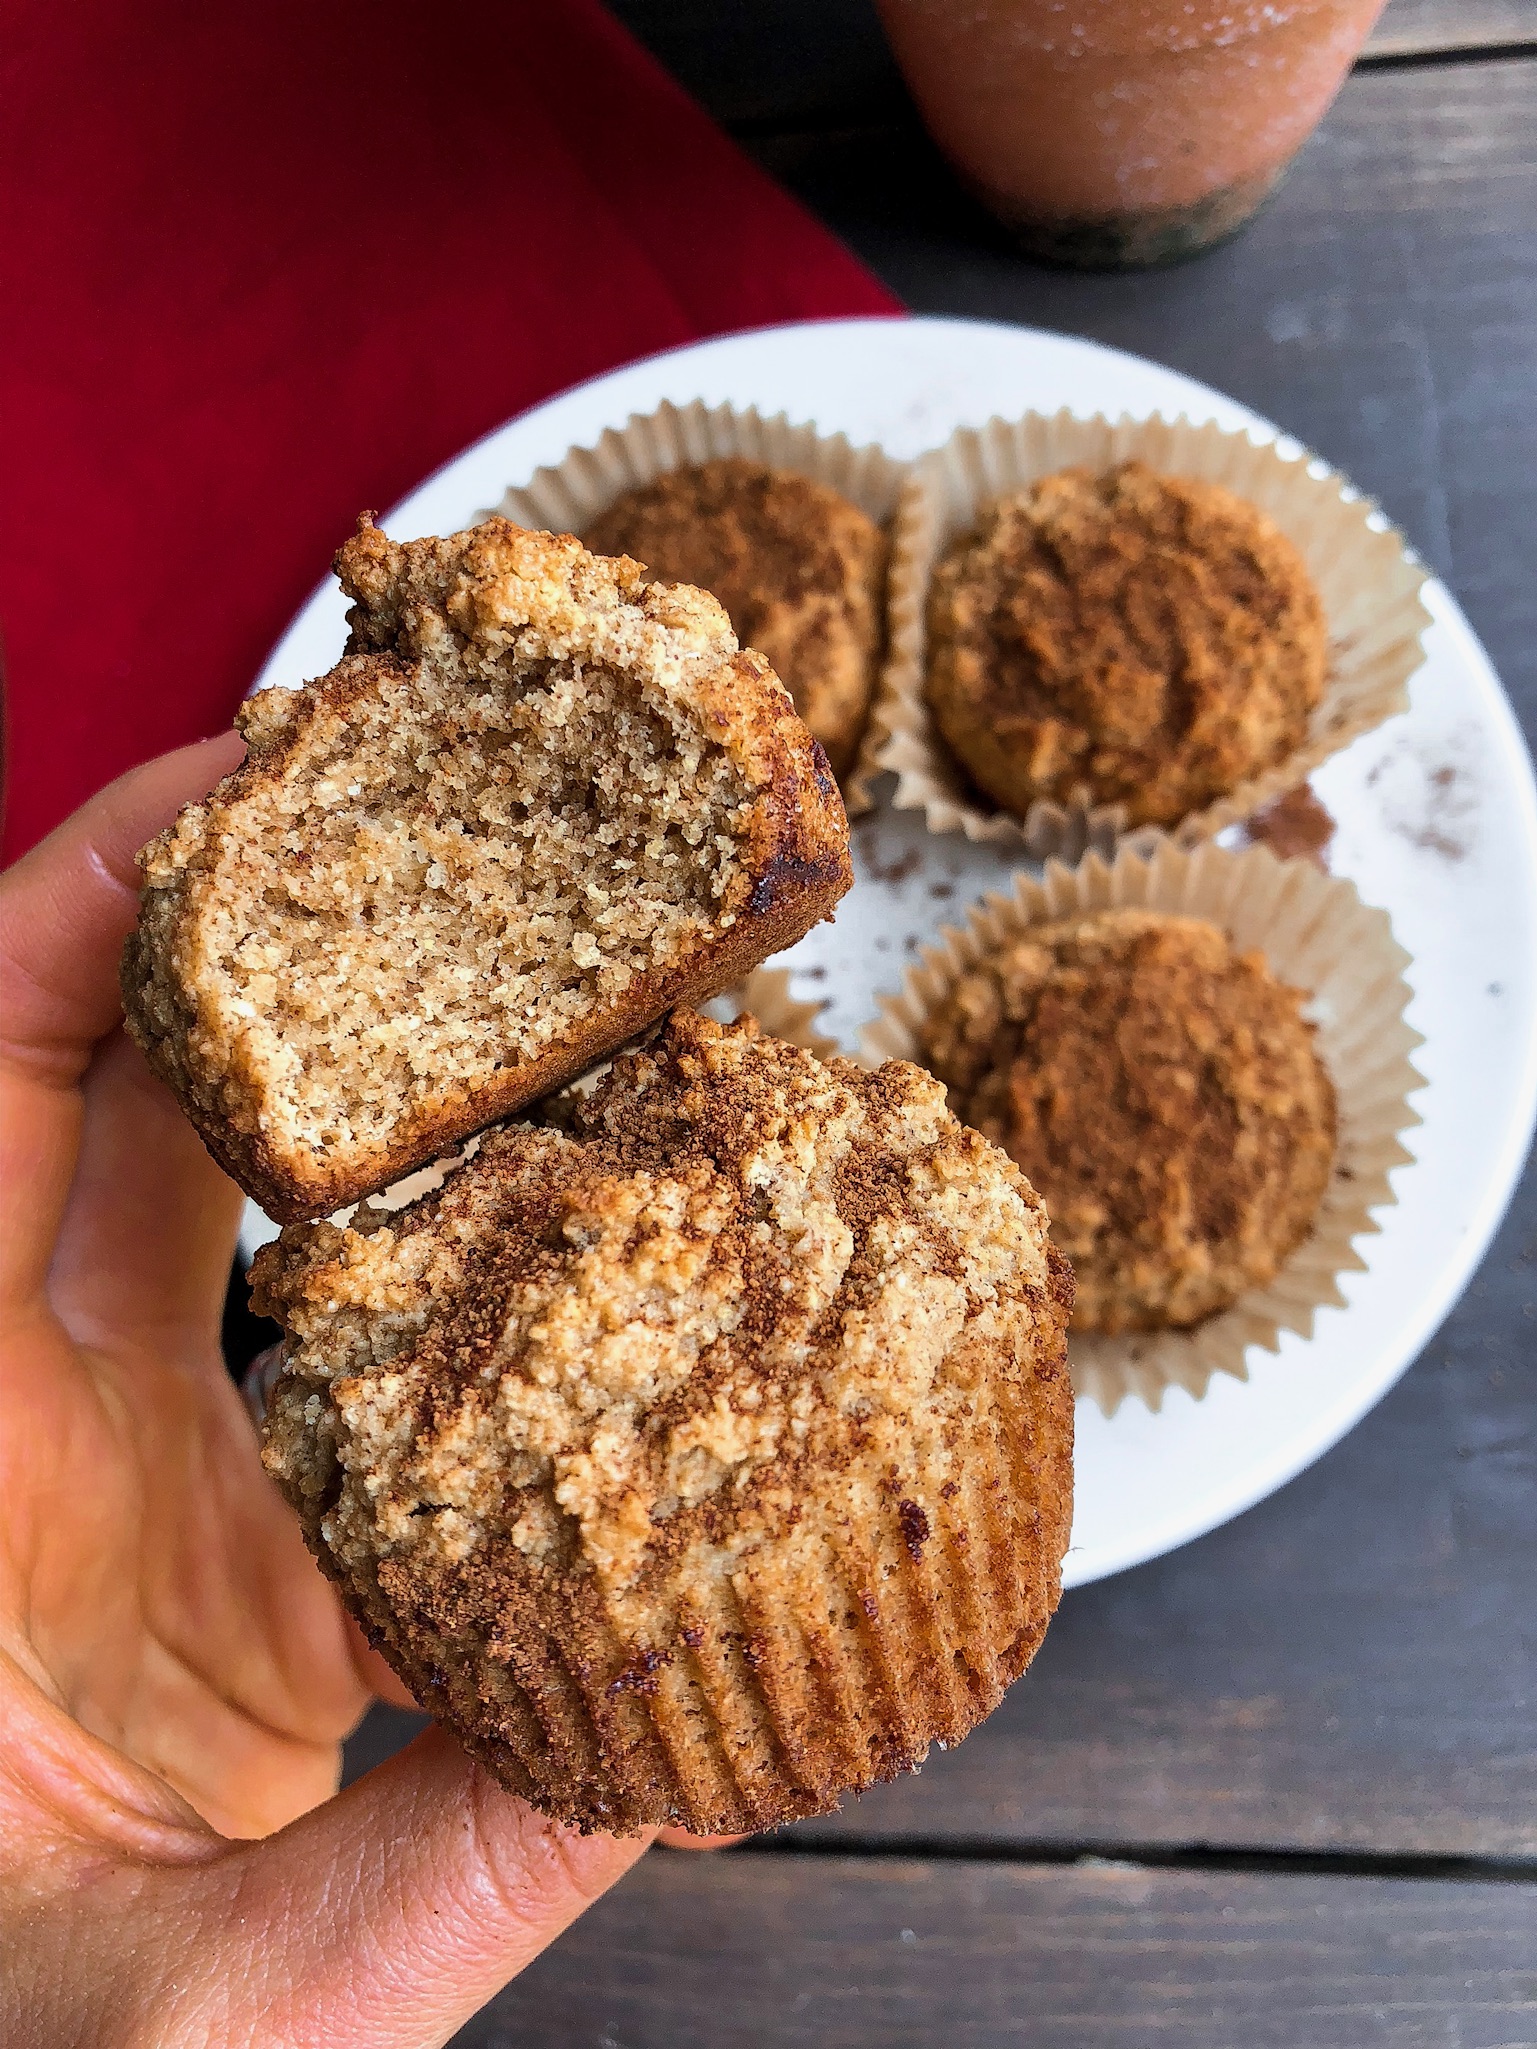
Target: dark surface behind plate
{"x": 750, "y": 1950}
{"x": 1345, "y": 1673}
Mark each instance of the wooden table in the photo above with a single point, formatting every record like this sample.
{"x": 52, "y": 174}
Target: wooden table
{"x": 1281, "y": 1787}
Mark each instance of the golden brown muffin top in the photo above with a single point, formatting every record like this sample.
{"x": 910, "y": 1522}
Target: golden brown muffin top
{"x": 1162, "y": 1093}
{"x": 798, "y": 567}
{"x": 738, "y": 1293}
{"x": 1143, "y": 639}
{"x": 703, "y": 1455}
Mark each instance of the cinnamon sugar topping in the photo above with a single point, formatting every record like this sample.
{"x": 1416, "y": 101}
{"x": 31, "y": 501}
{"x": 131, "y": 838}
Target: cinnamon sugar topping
{"x": 1129, "y": 637}
{"x": 1164, "y": 1096}
{"x": 800, "y": 570}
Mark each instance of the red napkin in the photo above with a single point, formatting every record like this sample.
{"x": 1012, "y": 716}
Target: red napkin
{"x": 263, "y": 266}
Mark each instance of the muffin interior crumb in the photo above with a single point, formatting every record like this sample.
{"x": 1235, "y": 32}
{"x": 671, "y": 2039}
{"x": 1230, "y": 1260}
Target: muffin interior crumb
{"x": 454, "y": 873}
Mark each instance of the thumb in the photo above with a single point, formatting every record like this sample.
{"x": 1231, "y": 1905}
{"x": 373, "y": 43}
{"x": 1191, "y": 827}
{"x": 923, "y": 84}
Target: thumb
{"x": 392, "y": 1913}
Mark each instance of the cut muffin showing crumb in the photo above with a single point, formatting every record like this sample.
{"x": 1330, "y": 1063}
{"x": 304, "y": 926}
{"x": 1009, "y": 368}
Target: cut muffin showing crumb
{"x": 1164, "y": 1095}
{"x": 703, "y": 1454}
{"x": 538, "y": 802}
{"x": 800, "y": 569}
{"x": 1127, "y": 638}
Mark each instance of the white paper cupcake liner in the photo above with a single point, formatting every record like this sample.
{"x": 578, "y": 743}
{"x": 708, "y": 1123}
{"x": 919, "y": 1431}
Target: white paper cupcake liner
{"x": 1368, "y": 583}
{"x": 569, "y": 496}
{"x": 766, "y": 993}
{"x": 1315, "y": 934}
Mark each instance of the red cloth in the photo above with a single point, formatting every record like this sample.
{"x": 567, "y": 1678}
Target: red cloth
{"x": 263, "y": 266}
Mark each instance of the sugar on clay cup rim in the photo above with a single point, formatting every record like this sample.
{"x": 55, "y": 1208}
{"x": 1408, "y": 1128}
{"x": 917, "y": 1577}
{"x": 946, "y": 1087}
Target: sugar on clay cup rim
{"x": 566, "y": 497}
{"x": 1316, "y": 934}
{"x": 1368, "y": 582}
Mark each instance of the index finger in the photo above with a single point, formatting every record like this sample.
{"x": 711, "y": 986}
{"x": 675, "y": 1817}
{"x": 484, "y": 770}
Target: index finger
{"x": 68, "y": 905}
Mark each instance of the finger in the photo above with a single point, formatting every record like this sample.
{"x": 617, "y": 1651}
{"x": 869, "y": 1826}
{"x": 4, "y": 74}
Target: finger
{"x": 680, "y": 1839}
{"x": 393, "y": 1913}
{"x": 148, "y": 1232}
{"x": 68, "y": 905}
{"x": 375, "y": 1674}
{"x": 65, "y": 910}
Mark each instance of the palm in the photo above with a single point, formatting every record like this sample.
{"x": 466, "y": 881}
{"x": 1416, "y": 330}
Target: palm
{"x": 160, "y": 1622}
{"x": 151, "y": 1581}
{"x": 167, "y": 1595}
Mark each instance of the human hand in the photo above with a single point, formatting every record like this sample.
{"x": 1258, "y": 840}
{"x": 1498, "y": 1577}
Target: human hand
{"x": 175, "y": 1674}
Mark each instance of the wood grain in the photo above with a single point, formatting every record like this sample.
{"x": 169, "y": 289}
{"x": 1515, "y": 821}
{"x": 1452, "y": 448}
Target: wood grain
{"x": 1422, "y": 27}
{"x": 744, "y": 1950}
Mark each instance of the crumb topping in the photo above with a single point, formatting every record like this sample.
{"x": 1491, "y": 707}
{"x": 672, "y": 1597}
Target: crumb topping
{"x": 621, "y": 1342}
{"x": 1163, "y": 1094}
{"x": 1143, "y": 639}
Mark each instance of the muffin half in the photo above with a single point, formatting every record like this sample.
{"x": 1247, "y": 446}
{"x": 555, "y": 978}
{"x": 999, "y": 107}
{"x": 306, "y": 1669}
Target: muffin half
{"x": 538, "y": 802}
{"x": 703, "y": 1455}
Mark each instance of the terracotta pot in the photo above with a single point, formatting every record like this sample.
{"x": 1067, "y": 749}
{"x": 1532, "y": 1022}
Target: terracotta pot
{"x": 1113, "y": 133}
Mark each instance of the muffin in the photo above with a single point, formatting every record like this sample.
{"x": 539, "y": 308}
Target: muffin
{"x": 1122, "y": 638}
{"x": 800, "y": 569}
{"x": 538, "y": 802}
{"x": 702, "y": 1453}
{"x": 1164, "y": 1095}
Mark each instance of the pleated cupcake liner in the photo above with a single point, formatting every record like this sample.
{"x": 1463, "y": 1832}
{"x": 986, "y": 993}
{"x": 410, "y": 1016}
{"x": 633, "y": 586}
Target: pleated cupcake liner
{"x": 766, "y": 994}
{"x": 834, "y": 1656}
{"x": 1369, "y": 585}
{"x": 1316, "y": 934}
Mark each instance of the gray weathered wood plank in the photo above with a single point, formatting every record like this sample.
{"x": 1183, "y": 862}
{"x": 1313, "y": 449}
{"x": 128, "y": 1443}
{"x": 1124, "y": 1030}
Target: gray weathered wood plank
{"x": 746, "y": 1950}
{"x": 1420, "y": 27}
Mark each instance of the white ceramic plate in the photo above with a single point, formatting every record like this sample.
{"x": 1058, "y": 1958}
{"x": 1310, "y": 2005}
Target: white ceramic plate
{"x": 1437, "y": 822}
